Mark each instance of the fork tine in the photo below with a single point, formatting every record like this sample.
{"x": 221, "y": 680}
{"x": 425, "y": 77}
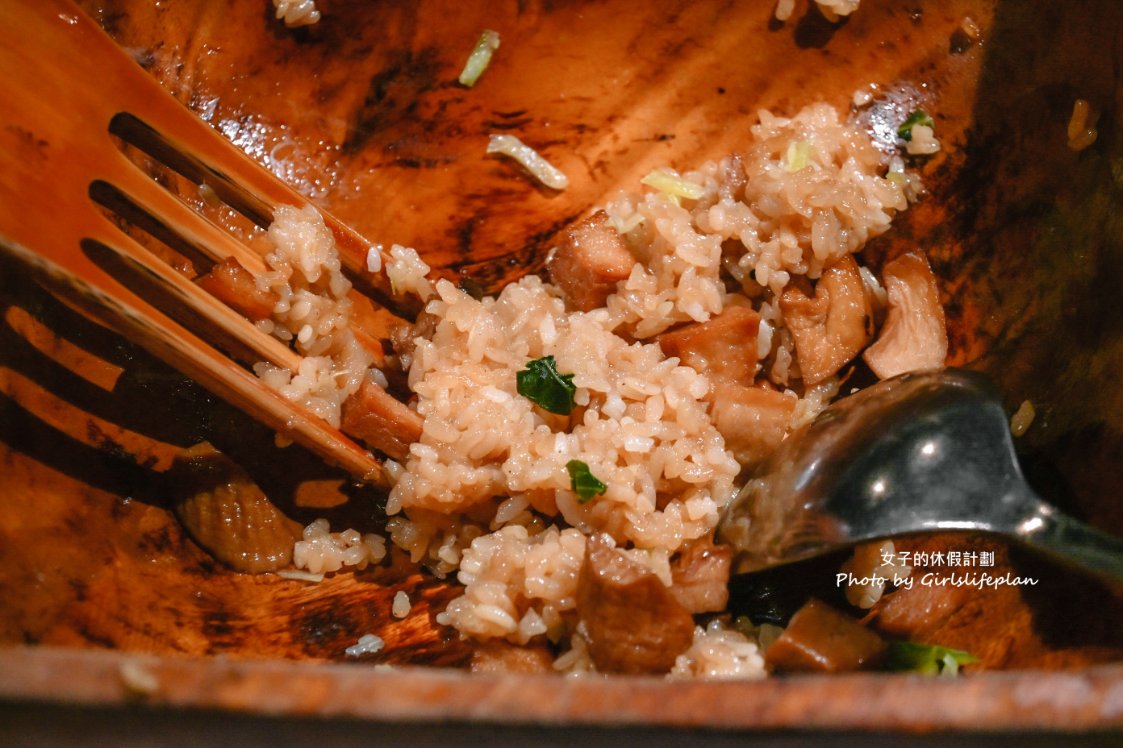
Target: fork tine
{"x": 176, "y": 217}
{"x": 237, "y": 332}
{"x": 56, "y": 144}
{"x": 167, "y": 131}
{"x": 174, "y": 344}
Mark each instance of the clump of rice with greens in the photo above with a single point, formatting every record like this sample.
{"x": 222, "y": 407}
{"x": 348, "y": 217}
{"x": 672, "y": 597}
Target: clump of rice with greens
{"x": 545, "y": 424}
{"x": 487, "y": 490}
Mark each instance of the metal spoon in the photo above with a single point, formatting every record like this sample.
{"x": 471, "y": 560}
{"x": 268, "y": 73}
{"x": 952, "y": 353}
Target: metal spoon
{"x": 917, "y": 453}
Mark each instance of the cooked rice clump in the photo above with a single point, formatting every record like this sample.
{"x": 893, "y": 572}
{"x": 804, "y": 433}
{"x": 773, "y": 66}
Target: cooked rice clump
{"x": 807, "y": 192}
{"x": 314, "y": 313}
{"x": 641, "y": 426}
{"x": 322, "y": 551}
{"x": 485, "y": 491}
{"x": 719, "y": 653}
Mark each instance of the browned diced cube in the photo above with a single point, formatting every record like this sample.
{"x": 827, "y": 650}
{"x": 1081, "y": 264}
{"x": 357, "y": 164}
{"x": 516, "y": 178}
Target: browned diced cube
{"x": 753, "y": 420}
{"x": 700, "y": 576}
{"x": 234, "y": 286}
{"x": 591, "y": 259}
{"x": 383, "y": 423}
{"x": 821, "y": 639}
{"x": 633, "y": 622}
{"x": 724, "y": 347}
{"x": 500, "y": 656}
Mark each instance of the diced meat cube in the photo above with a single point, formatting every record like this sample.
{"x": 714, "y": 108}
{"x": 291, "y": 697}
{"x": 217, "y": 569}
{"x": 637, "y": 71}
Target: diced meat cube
{"x": 383, "y": 423}
{"x": 821, "y": 639}
{"x": 724, "y": 347}
{"x": 403, "y": 336}
{"x": 499, "y": 656}
{"x": 591, "y": 259}
{"x": 833, "y": 326}
{"x": 633, "y": 621}
{"x": 234, "y": 286}
{"x": 700, "y": 576}
{"x": 914, "y": 337}
{"x": 752, "y": 420}
{"x": 918, "y": 611}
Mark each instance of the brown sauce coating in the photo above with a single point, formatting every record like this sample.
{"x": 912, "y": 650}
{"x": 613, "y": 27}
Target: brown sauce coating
{"x": 228, "y": 514}
{"x": 821, "y": 639}
{"x": 633, "y": 622}
{"x": 589, "y": 262}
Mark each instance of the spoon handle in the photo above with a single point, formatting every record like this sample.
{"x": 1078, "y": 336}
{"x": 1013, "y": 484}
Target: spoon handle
{"x": 1074, "y": 542}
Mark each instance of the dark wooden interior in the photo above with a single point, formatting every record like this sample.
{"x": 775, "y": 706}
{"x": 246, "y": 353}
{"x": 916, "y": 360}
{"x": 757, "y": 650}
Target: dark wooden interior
{"x": 362, "y": 113}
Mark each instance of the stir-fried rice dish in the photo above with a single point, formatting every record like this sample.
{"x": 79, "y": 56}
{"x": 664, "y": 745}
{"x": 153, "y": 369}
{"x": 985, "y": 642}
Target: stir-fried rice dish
{"x": 564, "y": 449}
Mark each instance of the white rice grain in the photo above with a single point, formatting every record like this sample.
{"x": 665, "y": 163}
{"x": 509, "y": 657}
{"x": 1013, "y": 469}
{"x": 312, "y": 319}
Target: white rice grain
{"x": 401, "y": 605}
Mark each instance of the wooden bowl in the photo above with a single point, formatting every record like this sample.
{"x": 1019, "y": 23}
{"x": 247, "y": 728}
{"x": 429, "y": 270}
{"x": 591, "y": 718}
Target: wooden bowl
{"x": 362, "y": 112}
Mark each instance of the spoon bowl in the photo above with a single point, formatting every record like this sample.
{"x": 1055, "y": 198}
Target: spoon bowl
{"x": 921, "y": 452}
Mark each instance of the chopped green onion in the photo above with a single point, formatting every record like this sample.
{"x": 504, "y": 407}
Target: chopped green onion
{"x": 541, "y": 383}
{"x": 670, "y": 183}
{"x": 583, "y": 482}
{"x": 480, "y": 58}
{"x": 798, "y": 156}
{"x": 897, "y": 178}
{"x": 919, "y": 117}
{"x": 927, "y": 659}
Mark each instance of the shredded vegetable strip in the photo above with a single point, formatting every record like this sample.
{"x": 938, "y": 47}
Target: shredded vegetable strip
{"x": 480, "y": 58}
{"x": 671, "y": 183}
{"x": 540, "y": 168}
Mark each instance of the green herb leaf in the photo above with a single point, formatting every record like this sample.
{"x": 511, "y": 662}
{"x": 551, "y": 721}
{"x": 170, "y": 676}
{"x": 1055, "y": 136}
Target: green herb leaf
{"x": 541, "y": 383}
{"x": 584, "y": 483}
{"x": 927, "y": 659}
{"x": 919, "y": 117}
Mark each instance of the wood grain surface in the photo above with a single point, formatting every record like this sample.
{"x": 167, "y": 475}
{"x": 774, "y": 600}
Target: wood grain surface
{"x": 362, "y": 113}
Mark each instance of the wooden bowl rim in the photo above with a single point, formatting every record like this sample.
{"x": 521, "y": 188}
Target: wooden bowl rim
{"x": 1090, "y": 699}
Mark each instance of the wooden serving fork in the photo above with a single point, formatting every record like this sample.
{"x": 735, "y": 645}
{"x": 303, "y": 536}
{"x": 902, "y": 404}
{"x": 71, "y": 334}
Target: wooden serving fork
{"x": 67, "y": 91}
